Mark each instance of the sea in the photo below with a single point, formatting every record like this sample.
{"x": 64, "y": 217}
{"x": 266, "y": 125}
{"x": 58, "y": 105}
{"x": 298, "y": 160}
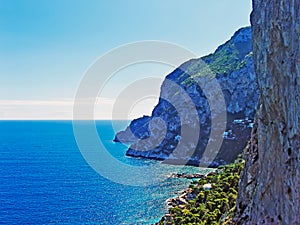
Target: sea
{"x": 44, "y": 179}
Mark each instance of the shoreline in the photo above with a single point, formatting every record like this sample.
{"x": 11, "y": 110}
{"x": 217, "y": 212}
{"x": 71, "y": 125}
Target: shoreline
{"x": 208, "y": 199}
{"x": 182, "y": 196}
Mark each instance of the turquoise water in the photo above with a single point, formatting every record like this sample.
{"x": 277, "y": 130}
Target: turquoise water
{"x": 45, "y": 180}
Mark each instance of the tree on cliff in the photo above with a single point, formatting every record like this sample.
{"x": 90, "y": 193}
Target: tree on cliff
{"x": 269, "y": 189}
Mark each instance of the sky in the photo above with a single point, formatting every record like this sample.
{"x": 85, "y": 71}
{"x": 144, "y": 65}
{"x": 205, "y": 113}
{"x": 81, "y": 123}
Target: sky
{"x": 46, "y": 46}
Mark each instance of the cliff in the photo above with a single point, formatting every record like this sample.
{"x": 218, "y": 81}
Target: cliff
{"x": 269, "y": 189}
{"x": 232, "y": 65}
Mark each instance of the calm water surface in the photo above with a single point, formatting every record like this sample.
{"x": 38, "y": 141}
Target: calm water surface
{"x": 45, "y": 180}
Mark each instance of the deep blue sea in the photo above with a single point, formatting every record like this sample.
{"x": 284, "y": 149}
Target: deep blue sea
{"x": 45, "y": 180}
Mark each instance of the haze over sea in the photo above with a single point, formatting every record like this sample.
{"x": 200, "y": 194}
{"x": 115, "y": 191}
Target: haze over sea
{"x": 45, "y": 180}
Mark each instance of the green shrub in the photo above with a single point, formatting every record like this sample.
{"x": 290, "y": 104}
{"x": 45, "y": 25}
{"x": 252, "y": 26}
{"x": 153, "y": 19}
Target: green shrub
{"x": 210, "y": 206}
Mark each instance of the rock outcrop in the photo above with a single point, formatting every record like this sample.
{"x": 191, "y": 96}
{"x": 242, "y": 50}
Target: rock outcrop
{"x": 182, "y": 99}
{"x": 269, "y": 189}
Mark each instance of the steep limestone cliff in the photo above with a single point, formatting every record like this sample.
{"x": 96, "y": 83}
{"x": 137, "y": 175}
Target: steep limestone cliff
{"x": 269, "y": 189}
{"x": 232, "y": 64}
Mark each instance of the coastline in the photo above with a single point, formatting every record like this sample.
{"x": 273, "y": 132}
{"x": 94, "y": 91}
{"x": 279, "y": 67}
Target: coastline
{"x": 182, "y": 196}
{"x": 207, "y": 199}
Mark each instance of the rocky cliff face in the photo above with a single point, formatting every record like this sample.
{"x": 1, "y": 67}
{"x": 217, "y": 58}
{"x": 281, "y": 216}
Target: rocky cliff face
{"x": 269, "y": 191}
{"x": 232, "y": 64}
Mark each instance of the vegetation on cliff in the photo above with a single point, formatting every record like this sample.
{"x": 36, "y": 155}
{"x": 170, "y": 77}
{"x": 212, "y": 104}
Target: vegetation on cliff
{"x": 214, "y": 206}
{"x": 188, "y": 99}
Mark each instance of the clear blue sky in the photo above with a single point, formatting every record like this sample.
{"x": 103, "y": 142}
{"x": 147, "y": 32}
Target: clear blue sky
{"x": 46, "y": 45}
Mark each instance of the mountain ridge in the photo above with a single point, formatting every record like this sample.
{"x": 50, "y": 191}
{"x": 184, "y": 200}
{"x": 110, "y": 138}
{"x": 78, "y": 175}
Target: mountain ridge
{"x": 232, "y": 65}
